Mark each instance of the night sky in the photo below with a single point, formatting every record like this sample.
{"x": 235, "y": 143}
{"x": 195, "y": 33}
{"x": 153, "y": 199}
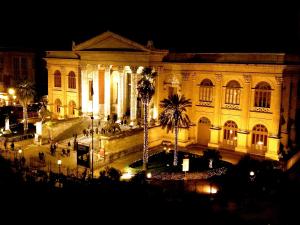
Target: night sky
{"x": 244, "y": 27}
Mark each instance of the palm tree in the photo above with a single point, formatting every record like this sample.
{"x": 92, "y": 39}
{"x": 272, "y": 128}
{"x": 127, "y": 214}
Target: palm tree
{"x": 146, "y": 90}
{"x": 174, "y": 116}
{"x": 25, "y": 93}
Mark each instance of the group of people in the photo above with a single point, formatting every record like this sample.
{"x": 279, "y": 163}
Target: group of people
{"x": 64, "y": 152}
{"x": 53, "y": 148}
{"x": 12, "y": 145}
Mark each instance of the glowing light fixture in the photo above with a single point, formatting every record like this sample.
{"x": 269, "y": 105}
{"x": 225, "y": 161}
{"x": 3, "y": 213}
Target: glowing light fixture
{"x": 11, "y": 91}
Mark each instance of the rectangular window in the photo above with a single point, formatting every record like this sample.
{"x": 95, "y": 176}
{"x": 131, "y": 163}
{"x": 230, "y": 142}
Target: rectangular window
{"x": 24, "y": 67}
{"x": 16, "y": 66}
{"x": 1, "y": 64}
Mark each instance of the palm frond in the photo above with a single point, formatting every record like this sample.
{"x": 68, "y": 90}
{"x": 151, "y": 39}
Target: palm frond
{"x": 25, "y": 92}
{"x": 145, "y": 85}
{"x": 174, "y": 112}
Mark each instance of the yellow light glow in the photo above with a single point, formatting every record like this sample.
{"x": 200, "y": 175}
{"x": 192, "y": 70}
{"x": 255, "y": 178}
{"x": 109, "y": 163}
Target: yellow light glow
{"x": 149, "y": 175}
{"x": 251, "y": 173}
{"x": 260, "y": 143}
{"x": 59, "y": 162}
{"x": 155, "y": 113}
{"x": 11, "y": 91}
{"x": 20, "y": 151}
{"x": 126, "y": 176}
{"x": 213, "y": 190}
{"x": 209, "y": 189}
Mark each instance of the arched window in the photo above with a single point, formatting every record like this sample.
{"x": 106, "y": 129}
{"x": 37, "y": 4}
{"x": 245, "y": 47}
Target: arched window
{"x": 72, "y": 107}
{"x": 262, "y": 95}
{"x": 72, "y": 80}
{"x": 57, "y": 105}
{"x": 206, "y": 91}
{"x": 233, "y": 92}
{"x": 57, "y": 79}
{"x": 259, "y": 137}
{"x": 230, "y": 133}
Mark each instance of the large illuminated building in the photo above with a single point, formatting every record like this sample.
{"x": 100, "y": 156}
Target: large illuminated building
{"x": 15, "y": 65}
{"x": 245, "y": 102}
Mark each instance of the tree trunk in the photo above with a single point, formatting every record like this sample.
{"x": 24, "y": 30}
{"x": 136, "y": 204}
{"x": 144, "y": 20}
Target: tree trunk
{"x": 145, "y": 150}
{"x": 175, "y": 146}
{"x": 25, "y": 119}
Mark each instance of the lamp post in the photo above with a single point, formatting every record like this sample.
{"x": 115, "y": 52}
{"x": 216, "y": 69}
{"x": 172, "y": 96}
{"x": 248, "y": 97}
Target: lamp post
{"x": 11, "y": 92}
{"x": 59, "y": 166}
{"x": 252, "y": 175}
{"x": 20, "y": 154}
{"x": 92, "y": 117}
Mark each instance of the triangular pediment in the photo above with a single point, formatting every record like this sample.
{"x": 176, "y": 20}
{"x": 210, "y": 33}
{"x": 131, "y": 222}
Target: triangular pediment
{"x": 109, "y": 41}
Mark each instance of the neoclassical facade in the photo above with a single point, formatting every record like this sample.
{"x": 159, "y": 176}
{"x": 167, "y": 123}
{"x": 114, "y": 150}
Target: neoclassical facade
{"x": 242, "y": 102}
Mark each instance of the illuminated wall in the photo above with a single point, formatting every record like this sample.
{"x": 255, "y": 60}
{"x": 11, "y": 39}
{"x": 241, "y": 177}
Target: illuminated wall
{"x": 242, "y": 102}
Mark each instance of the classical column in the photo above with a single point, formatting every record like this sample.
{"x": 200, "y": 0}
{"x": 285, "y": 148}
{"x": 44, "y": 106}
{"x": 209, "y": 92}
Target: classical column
{"x": 120, "y": 92}
{"x": 216, "y": 127}
{"x": 95, "y": 75}
{"x": 107, "y": 91}
{"x": 84, "y": 89}
{"x": 101, "y": 85}
{"x": 242, "y": 135}
{"x": 274, "y": 138}
{"x": 293, "y": 109}
{"x": 286, "y": 100}
{"x": 133, "y": 96}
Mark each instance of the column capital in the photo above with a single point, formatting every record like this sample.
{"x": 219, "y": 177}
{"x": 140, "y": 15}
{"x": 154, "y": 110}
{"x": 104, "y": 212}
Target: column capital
{"x": 120, "y": 68}
{"x": 279, "y": 80}
{"x": 218, "y": 77}
{"x": 159, "y": 69}
{"x": 247, "y": 78}
{"x": 107, "y": 67}
{"x": 134, "y": 68}
{"x": 92, "y": 67}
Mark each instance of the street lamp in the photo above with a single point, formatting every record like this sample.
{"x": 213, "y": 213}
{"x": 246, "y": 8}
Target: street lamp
{"x": 92, "y": 117}
{"x": 59, "y": 165}
{"x": 252, "y": 175}
{"x": 149, "y": 175}
{"x": 20, "y": 153}
{"x": 11, "y": 92}
{"x": 59, "y": 173}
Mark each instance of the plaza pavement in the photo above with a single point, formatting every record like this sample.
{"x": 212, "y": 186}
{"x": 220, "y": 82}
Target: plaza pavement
{"x": 30, "y": 149}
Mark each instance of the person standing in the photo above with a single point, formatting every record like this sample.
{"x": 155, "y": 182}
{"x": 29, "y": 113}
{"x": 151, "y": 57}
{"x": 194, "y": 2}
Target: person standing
{"x": 5, "y": 143}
